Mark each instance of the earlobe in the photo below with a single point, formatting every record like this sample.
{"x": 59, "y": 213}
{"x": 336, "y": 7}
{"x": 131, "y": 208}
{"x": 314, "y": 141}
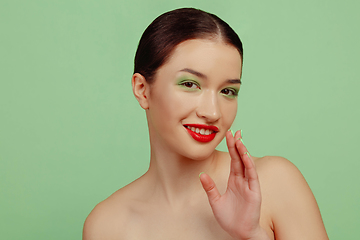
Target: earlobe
{"x": 140, "y": 89}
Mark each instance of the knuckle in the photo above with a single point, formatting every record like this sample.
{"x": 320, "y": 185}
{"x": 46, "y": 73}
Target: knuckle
{"x": 211, "y": 187}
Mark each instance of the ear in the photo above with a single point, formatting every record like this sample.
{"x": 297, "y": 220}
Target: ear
{"x": 140, "y": 89}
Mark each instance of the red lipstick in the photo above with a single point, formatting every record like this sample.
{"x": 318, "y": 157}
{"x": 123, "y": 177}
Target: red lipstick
{"x": 202, "y": 137}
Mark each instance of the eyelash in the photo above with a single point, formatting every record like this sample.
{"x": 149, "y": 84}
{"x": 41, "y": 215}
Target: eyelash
{"x": 191, "y": 82}
{"x": 233, "y": 92}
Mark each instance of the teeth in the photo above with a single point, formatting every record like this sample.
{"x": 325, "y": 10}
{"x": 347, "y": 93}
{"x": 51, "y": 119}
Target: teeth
{"x": 202, "y": 131}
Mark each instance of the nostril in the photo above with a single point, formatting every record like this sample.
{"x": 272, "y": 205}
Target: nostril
{"x": 209, "y": 107}
{"x": 210, "y": 116}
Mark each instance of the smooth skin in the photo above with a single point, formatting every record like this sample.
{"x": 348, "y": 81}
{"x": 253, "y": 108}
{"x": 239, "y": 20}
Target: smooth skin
{"x": 238, "y": 197}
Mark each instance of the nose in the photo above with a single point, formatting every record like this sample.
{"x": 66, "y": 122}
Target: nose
{"x": 208, "y": 107}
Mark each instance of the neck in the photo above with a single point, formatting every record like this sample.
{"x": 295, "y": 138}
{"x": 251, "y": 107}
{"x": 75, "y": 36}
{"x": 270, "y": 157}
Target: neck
{"x": 175, "y": 178}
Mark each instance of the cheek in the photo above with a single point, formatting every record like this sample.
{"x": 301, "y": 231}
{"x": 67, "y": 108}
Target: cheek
{"x": 181, "y": 103}
{"x": 229, "y": 111}
{"x": 172, "y": 105}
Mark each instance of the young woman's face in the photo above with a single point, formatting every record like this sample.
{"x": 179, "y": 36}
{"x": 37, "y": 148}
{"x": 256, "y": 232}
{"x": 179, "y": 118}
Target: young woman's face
{"x": 193, "y": 100}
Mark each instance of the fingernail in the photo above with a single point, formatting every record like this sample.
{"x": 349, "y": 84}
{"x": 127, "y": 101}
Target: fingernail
{"x": 240, "y": 138}
{"x": 200, "y": 174}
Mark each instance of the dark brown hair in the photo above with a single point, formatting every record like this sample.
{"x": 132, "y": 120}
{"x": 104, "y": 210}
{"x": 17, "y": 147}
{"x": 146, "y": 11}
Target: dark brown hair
{"x": 170, "y": 29}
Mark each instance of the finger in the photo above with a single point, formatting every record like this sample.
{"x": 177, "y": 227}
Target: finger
{"x": 238, "y": 135}
{"x": 249, "y": 165}
{"x": 240, "y": 147}
{"x": 210, "y": 188}
{"x": 237, "y": 167}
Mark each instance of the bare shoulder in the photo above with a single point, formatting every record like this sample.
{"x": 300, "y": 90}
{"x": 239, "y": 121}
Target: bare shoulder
{"x": 289, "y": 200}
{"x": 281, "y": 180}
{"x": 98, "y": 225}
{"x": 110, "y": 216}
{"x": 272, "y": 163}
{"x": 279, "y": 175}
{"x": 274, "y": 168}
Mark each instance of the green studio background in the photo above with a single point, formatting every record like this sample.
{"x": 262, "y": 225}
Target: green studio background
{"x": 71, "y": 132}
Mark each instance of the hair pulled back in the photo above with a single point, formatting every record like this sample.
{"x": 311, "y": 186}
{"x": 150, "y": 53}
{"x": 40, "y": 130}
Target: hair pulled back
{"x": 170, "y": 29}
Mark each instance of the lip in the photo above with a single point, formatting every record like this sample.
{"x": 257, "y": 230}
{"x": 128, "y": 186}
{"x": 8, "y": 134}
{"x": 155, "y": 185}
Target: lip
{"x": 202, "y": 138}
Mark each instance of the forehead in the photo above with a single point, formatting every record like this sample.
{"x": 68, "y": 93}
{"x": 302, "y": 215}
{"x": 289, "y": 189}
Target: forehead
{"x": 210, "y": 57}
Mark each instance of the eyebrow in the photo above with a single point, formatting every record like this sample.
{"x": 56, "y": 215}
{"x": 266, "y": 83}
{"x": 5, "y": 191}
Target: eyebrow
{"x": 200, "y": 75}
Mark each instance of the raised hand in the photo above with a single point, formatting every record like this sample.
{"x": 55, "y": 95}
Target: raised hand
{"x": 238, "y": 209}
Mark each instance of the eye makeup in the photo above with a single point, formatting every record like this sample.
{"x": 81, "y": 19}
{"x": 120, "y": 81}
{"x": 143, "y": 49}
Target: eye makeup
{"x": 230, "y": 92}
{"x": 188, "y": 84}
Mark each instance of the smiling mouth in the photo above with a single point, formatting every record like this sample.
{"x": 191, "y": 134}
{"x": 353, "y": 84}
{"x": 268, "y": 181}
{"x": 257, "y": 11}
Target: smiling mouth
{"x": 201, "y": 133}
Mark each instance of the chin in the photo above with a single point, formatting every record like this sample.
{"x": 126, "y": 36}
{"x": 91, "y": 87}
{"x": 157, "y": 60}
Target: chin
{"x": 201, "y": 157}
{"x": 200, "y": 153}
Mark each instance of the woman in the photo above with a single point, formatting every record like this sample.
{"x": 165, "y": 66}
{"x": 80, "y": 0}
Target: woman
{"x": 187, "y": 77}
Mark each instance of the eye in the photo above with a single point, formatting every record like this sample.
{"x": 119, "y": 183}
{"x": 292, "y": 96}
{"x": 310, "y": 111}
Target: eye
{"x": 229, "y": 92}
{"x": 189, "y": 84}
